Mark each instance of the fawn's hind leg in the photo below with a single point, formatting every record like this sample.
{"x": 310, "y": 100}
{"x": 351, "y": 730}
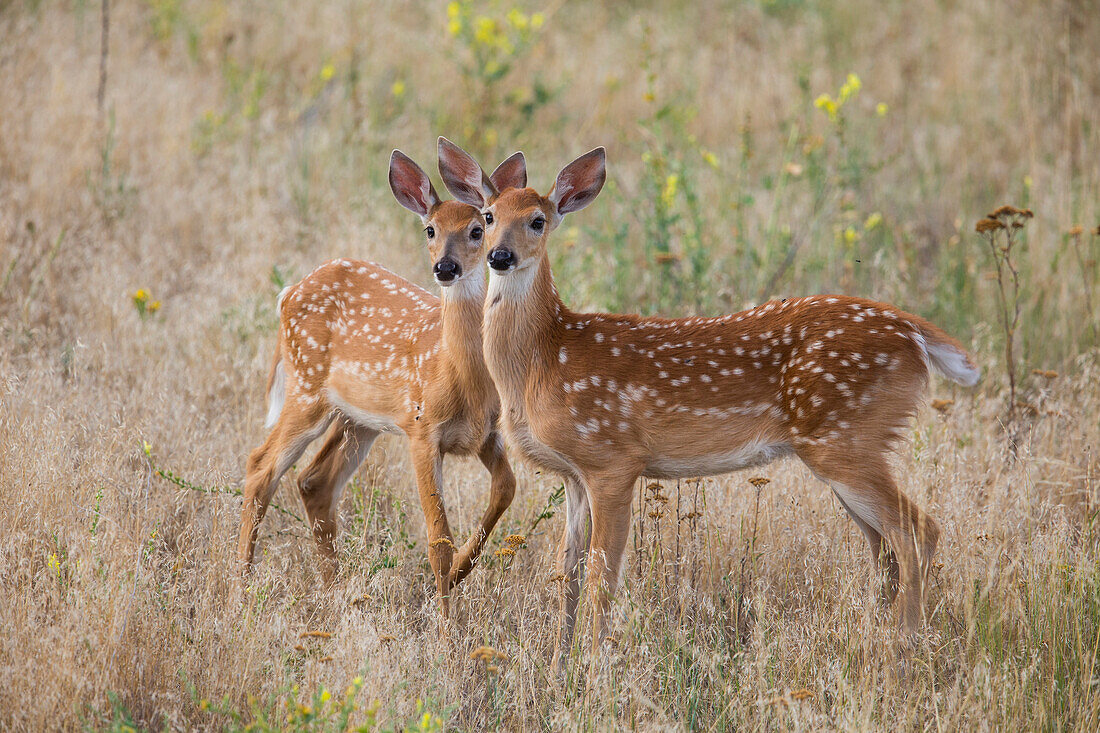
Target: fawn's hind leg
{"x": 296, "y": 428}
{"x": 322, "y": 484}
{"x": 881, "y": 554}
{"x": 868, "y": 491}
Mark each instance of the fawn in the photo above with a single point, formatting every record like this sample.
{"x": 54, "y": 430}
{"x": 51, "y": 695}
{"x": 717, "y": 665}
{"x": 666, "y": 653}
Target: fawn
{"x": 604, "y": 399}
{"x": 363, "y": 349}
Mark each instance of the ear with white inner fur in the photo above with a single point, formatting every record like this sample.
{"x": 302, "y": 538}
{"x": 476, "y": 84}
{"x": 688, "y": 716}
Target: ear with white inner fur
{"x": 463, "y": 176}
{"x": 411, "y": 186}
{"x": 579, "y": 182}
{"x": 512, "y": 173}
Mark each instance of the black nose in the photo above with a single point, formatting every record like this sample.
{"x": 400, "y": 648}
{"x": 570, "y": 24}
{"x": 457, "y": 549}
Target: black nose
{"x": 501, "y": 259}
{"x": 446, "y": 270}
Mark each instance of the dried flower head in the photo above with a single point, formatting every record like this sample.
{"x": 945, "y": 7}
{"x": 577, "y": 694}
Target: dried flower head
{"x": 1045, "y": 373}
{"x": 1007, "y": 211}
{"x": 942, "y": 405}
{"x": 315, "y": 635}
{"x": 516, "y": 540}
{"x": 443, "y": 541}
{"x": 985, "y": 226}
{"x": 759, "y": 481}
{"x": 487, "y": 654}
{"x": 1076, "y": 231}
{"x": 505, "y": 552}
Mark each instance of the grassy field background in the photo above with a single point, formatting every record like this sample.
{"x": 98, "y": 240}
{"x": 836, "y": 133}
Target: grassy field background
{"x": 756, "y": 149}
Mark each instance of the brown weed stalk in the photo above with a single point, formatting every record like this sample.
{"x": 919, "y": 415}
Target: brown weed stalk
{"x": 1001, "y": 231}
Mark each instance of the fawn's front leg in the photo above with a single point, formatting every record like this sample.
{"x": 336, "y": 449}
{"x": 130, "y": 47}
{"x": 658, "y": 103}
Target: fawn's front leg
{"x": 610, "y": 494}
{"x": 428, "y": 463}
{"x": 571, "y": 552}
{"x": 502, "y": 489}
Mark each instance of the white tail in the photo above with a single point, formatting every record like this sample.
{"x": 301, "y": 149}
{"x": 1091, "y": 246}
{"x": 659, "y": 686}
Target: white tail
{"x": 948, "y": 358}
{"x": 368, "y": 352}
{"x": 276, "y": 393}
{"x": 604, "y": 399}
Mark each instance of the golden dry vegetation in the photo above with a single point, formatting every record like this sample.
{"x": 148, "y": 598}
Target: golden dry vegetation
{"x": 757, "y": 149}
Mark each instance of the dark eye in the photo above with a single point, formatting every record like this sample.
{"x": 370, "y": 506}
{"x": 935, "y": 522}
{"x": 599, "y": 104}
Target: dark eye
{"x": 538, "y": 223}
{"x": 430, "y": 230}
{"x": 488, "y": 217}
{"x": 475, "y": 233}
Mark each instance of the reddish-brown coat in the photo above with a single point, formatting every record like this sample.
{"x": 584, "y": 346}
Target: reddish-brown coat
{"x": 369, "y": 352}
{"x": 604, "y": 399}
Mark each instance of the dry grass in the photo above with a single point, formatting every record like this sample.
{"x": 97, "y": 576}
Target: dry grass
{"x": 230, "y": 154}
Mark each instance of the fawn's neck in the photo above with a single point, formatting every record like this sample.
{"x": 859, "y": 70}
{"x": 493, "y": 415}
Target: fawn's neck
{"x": 461, "y": 308}
{"x": 523, "y": 320}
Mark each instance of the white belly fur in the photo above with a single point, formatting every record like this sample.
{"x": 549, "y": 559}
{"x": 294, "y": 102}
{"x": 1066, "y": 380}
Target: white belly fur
{"x": 380, "y": 423}
{"x": 747, "y": 456}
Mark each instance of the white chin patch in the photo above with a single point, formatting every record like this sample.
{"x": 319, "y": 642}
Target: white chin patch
{"x": 467, "y": 286}
{"x": 513, "y": 284}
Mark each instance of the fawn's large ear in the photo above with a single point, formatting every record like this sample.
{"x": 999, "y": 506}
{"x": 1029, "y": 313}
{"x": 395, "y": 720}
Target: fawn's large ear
{"x": 410, "y": 185}
{"x": 462, "y": 175}
{"x": 579, "y": 182}
{"x": 512, "y": 173}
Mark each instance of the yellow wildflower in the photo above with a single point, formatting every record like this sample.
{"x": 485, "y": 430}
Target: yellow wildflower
{"x": 711, "y": 159}
{"x": 485, "y": 31}
{"x": 517, "y": 19}
{"x": 850, "y": 88}
{"x": 872, "y": 221}
{"x": 326, "y": 696}
{"x": 154, "y": 306}
{"x": 454, "y": 9}
{"x": 881, "y": 109}
{"x": 141, "y": 295}
{"x": 668, "y": 195}
{"x": 398, "y": 89}
{"x": 537, "y": 20}
{"x": 454, "y": 27}
{"x": 828, "y": 105}
{"x": 850, "y": 235}
{"x": 327, "y": 71}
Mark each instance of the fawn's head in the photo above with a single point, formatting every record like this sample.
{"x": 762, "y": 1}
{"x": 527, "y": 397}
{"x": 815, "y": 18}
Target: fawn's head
{"x": 455, "y": 231}
{"x": 518, "y": 219}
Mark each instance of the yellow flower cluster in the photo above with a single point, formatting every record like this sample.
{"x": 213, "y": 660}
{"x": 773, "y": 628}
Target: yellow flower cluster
{"x": 486, "y": 30}
{"x": 668, "y": 193}
{"x": 142, "y": 302}
{"x": 848, "y": 90}
{"x": 493, "y": 40}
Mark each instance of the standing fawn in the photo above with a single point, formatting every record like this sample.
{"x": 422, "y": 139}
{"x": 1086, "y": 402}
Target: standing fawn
{"x": 364, "y": 349}
{"x": 604, "y": 399}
